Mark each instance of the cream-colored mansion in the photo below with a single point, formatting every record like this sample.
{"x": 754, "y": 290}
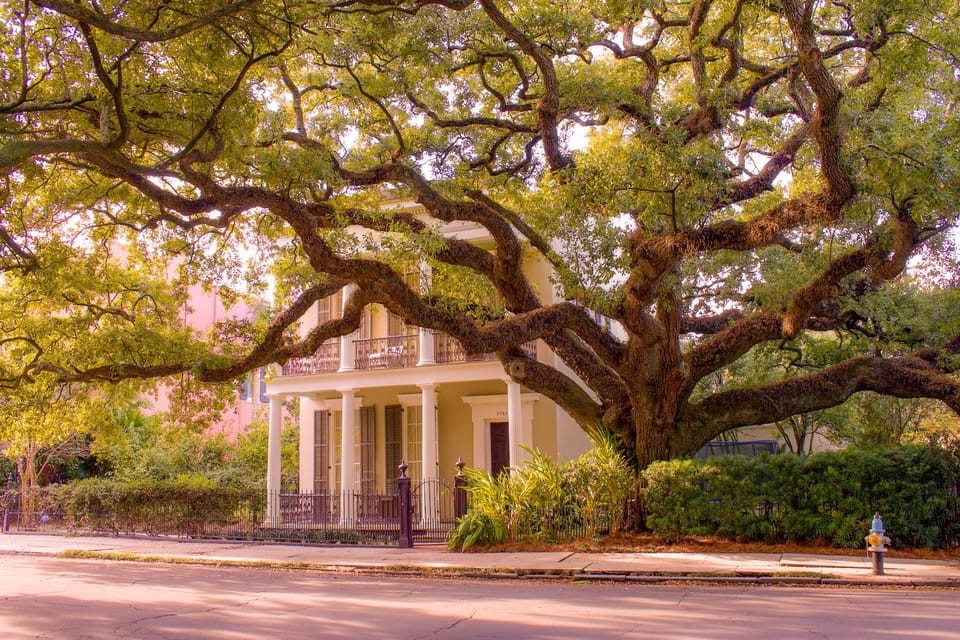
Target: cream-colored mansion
{"x": 391, "y": 392}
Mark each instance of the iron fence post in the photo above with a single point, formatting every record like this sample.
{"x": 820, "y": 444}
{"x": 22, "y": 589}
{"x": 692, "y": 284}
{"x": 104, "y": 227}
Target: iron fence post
{"x": 406, "y": 511}
{"x": 460, "y": 491}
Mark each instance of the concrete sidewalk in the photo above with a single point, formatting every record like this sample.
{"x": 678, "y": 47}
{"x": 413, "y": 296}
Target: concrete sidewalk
{"x": 759, "y": 568}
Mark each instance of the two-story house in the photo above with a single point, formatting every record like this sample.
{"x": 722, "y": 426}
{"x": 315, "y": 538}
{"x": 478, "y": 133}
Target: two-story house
{"x": 391, "y": 392}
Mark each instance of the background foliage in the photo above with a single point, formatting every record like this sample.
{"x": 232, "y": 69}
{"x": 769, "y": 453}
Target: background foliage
{"x": 146, "y": 448}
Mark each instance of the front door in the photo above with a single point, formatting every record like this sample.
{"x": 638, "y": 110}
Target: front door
{"x": 499, "y": 447}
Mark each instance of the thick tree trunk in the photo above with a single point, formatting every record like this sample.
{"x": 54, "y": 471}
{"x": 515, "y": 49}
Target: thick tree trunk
{"x": 655, "y": 410}
{"x": 653, "y": 443}
{"x": 654, "y": 433}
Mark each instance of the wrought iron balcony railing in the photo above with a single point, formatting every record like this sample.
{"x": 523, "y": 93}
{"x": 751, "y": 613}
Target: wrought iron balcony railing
{"x": 392, "y": 352}
{"x": 325, "y": 360}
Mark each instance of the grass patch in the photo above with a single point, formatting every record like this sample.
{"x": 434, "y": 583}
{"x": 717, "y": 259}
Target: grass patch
{"x": 213, "y": 562}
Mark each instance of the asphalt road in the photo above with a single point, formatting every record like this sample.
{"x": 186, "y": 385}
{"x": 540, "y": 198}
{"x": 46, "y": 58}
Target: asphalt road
{"x": 54, "y": 598}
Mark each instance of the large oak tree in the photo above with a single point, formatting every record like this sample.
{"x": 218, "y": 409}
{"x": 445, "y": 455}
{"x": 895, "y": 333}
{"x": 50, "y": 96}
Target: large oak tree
{"x": 717, "y": 176}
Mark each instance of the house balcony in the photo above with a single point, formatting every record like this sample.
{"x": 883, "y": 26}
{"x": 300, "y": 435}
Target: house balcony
{"x": 391, "y": 352}
{"x": 325, "y": 360}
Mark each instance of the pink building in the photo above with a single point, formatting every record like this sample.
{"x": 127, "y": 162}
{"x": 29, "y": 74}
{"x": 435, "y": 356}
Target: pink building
{"x": 204, "y": 309}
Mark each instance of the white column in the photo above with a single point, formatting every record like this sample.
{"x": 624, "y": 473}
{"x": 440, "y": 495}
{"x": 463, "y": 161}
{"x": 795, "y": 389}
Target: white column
{"x": 274, "y": 442}
{"x": 348, "y": 441}
{"x": 348, "y": 454}
{"x": 348, "y": 360}
{"x": 526, "y": 431}
{"x": 427, "y": 343}
{"x": 428, "y": 348}
{"x": 482, "y": 410}
{"x": 515, "y": 419}
{"x": 307, "y": 470}
{"x": 481, "y": 441}
{"x": 428, "y": 394}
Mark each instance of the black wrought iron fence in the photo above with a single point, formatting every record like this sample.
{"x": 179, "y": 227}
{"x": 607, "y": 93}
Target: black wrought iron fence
{"x": 434, "y": 511}
{"x": 347, "y": 517}
{"x": 567, "y": 522}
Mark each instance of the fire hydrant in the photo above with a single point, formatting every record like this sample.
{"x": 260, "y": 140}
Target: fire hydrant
{"x": 877, "y": 544}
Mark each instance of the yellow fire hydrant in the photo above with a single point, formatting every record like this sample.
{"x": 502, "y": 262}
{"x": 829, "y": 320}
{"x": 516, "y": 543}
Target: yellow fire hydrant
{"x": 877, "y": 544}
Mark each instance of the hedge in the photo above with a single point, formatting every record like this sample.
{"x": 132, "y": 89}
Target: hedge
{"x": 186, "y": 505}
{"x": 828, "y": 497}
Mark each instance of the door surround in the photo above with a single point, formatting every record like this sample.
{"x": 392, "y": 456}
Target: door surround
{"x": 493, "y": 408}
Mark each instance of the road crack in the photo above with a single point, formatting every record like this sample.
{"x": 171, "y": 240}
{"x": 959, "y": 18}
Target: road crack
{"x": 451, "y": 626}
{"x": 174, "y": 614}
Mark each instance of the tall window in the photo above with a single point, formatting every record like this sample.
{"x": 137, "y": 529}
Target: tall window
{"x": 329, "y": 308}
{"x": 415, "y": 442}
{"x": 366, "y": 450}
{"x": 365, "y": 429}
{"x": 393, "y": 445}
{"x": 397, "y": 327}
{"x": 395, "y": 324}
{"x": 321, "y": 451}
{"x": 337, "y": 451}
{"x": 365, "y": 330}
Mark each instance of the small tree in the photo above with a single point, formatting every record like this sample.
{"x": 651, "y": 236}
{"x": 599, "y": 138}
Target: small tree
{"x": 45, "y": 421}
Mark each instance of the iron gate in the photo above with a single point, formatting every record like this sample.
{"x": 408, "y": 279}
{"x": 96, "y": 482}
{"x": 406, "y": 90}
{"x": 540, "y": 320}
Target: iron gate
{"x": 433, "y": 511}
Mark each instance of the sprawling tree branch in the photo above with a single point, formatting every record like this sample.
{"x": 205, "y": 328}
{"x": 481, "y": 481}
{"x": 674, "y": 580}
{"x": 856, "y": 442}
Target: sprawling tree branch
{"x": 102, "y": 22}
{"x": 907, "y": 376}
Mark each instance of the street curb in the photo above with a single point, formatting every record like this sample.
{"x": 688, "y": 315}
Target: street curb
{"x": 560, "y": 575}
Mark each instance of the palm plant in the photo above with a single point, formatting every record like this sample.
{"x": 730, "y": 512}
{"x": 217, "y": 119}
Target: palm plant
{"x": 547, "y": 500}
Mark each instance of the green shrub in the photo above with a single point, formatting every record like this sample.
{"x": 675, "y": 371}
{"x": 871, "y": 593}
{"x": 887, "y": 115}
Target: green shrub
{"x": 829, "y": 497}
{"x": 674, "y": 498}
{"x": 187, "y": 504}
